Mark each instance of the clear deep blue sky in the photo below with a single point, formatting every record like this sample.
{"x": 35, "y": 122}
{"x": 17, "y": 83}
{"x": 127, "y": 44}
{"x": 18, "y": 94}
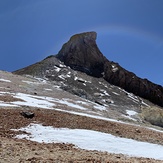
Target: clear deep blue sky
{"x": 130, "y": 32}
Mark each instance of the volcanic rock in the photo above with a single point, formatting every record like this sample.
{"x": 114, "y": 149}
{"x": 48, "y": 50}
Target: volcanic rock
{"x": 27, "y": 114}
{"x": 81, "y": 53}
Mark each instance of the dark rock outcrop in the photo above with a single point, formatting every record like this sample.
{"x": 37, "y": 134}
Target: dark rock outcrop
{"x": 82, "y": 54}
{"x": 118, "y": 76}
{"x": 27, "y": 114}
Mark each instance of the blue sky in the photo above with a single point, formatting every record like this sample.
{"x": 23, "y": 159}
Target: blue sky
{"x": 130, "y": 32}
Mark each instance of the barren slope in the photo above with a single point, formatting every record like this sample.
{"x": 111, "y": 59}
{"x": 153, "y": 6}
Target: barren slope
{"x": 54, "y": 107}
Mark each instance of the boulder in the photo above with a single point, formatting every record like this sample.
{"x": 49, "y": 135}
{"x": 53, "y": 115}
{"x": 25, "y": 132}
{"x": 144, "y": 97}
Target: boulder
{"x": 27, "y": 114}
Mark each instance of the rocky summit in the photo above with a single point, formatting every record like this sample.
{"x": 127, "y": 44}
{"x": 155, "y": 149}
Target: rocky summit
{"x": 81, "y": 53}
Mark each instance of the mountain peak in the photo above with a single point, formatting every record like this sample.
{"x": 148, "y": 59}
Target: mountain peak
{"x": 81, "y": 53}
{"x": 84, "y": 36}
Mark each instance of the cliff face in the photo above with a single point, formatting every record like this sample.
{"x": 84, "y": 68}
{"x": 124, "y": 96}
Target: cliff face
{"x": 81, "y": 53}
{"x": 118, "y": 76}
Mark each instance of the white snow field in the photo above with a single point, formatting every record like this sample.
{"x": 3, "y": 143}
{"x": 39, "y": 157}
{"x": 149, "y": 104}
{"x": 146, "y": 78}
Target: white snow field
{"x": 4, "y": 80}
{"x": 92, "y": 140}
{"x": 49, "y": 102}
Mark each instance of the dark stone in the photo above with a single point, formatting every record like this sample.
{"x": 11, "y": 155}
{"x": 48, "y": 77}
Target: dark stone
{"x": 81, "y": 80}
{"x": 99, "y": 102}
{"x": 27, "y": 114}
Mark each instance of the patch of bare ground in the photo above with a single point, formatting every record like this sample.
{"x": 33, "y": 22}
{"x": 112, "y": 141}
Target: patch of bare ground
{"x": 14, "y": 150}
{"x": 9, "y": 98}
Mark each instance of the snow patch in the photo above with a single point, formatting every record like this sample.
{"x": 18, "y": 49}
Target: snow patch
{"x": 5, "y": 80}
{"x": 131, "y": 112}
{"x": 92, "y": 140}
{"x": 133, "y": 97}
{"x": 62, "y": 77}
{"x": 30, "y": 82}
{"x": 7, "y": 105}
{"x": 9, "y": 93}
{"x": 57, "y": 87}
{"x": 104, "y": 92}
{"x": 57, "y": 69}
{"x": 46, "y": 89}
{"x": 70, "y": 104}
{"x": 114, "y": 68}
{"x": 99, "y": 107}
{"x": 41, "y": 80}
{"x": 82, "y": 102}
{"x": 116, "y": 93}
{"x": 81, "y": 80}
{"x": 34, "y": 101}
{"x": 62, "y": 66}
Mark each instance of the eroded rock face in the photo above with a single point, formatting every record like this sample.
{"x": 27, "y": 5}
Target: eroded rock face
{"x": 81, "y": 53}
{"x": 118, "y": 76}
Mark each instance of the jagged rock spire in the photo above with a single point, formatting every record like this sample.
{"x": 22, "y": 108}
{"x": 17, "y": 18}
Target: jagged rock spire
{"x": 81, "y": 53}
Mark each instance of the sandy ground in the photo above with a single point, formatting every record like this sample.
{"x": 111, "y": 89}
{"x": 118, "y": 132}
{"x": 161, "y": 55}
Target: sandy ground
{"x": 15, "y": 150}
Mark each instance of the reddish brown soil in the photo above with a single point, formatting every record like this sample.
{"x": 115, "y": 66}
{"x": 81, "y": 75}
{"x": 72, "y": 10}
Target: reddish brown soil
{"x": 14, "y": 150}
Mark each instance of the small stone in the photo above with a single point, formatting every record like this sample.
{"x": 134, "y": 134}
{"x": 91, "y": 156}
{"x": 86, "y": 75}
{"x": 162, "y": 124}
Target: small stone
{"x": 27, "y": 114}
{"x": 117, "y": 131}
{"x": 137, "y": 130}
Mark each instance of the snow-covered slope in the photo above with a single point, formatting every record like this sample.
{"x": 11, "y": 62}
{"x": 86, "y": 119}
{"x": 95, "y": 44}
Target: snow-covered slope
{"x": 92, "y": 140}
{"x": 106, "y": 101}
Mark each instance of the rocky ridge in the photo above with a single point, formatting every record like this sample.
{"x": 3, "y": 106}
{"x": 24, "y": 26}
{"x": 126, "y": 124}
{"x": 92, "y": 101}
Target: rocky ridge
{"x": 82, "y": 54}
